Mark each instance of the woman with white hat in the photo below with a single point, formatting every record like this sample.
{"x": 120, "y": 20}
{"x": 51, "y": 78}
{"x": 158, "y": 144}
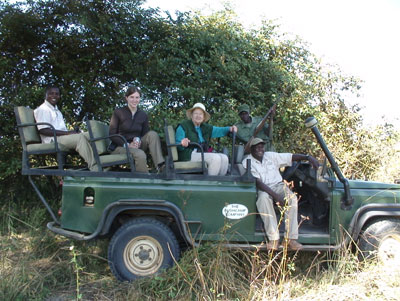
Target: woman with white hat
{"x": 196, "y": 129}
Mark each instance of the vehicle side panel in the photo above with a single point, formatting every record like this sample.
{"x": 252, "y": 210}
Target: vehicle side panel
{"x": 201, "y": 203}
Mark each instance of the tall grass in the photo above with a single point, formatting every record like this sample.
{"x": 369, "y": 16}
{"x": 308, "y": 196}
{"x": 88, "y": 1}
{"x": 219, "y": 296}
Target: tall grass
{"x": 37, "y": 265}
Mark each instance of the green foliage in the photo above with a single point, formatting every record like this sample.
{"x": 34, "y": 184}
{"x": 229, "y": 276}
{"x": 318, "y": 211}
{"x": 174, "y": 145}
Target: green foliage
{"x": 93, "y": 50}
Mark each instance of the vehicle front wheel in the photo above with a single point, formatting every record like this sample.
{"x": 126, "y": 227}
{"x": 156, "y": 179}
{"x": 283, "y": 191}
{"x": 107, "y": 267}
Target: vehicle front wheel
{"x": 381, "y": 239}
{"x": 142, "y": 247}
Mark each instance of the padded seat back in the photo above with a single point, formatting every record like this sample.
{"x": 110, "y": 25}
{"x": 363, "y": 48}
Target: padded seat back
{"x": 100, "y": 140}
{"x": 31, "y": 141}
{"x": 239, "y": 156}
{"x": 239, "y": 153}
{"x": 30, "y": 134}
{"x": 171, "y": 139}
{"x": 100, "y": 129}
{"x": 179, "y": 166}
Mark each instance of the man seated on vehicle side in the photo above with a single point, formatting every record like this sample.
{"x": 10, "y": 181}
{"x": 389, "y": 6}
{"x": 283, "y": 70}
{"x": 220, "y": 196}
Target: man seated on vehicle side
{"x": 271, "y": 188}
{"x": 73, "y": 140}
{"x": 247, "y": 125}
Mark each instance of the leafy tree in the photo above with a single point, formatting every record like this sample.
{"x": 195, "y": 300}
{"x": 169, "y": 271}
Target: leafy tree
{"x": 88, "y": 50}
{"x": 93, "y": 50}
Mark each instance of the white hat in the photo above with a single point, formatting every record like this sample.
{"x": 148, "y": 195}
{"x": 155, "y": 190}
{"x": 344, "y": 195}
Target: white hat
{"x": 198, "y": 106}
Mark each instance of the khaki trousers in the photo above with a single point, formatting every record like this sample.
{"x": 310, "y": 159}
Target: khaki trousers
{"x": 138, "y": 155}
{"x": 80, "y": 143}
{"x": 217, "y": 163}
{"x": 265, "y": 206}
{"x": 151, "y": 142}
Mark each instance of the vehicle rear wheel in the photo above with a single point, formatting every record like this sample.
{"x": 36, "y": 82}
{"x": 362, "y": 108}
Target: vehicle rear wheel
{"x": 142, "y": 247}
{"x": 381, "y": 239}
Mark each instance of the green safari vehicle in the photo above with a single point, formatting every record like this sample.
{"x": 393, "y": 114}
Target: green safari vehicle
{"x": 150, "y": 218}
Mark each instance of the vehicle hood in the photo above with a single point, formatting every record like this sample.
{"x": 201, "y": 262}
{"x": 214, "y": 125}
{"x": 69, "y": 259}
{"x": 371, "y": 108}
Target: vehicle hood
{"x": 358, "y": 184}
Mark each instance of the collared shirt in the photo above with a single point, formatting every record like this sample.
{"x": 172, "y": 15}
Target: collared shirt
{"x": 46, "y": 112}
{"x": 268, "y": 170}
{"x": 246, "y": 130}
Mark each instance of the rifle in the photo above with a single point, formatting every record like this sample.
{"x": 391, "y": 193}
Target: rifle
{"x": 259, "y": 128}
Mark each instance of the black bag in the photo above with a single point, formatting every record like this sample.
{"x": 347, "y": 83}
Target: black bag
{"x": 111, "y": 147}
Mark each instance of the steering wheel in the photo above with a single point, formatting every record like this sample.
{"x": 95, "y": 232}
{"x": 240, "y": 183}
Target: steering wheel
{"x": 289, "y": 172}
{"x": 324, "y": 167}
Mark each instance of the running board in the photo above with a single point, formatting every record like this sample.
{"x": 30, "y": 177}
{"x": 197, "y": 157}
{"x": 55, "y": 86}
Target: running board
{"x": 263, "y": 247}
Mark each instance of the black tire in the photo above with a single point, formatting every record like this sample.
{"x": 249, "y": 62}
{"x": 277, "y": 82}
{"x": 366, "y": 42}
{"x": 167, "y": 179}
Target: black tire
{"x": 381, "y": 239}
{"x": 142, "y": 247}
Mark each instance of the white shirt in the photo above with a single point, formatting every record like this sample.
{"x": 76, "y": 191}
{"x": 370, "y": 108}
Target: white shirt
{"x": 268, "y": 170}
{"x": 50, "y": 114}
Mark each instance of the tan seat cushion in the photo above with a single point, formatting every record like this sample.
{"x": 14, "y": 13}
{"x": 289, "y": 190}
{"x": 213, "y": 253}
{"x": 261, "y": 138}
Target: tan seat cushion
{"x": 188, "y": 165}
{"x": 46, "y": 147}
{"x": 108, "y": 159}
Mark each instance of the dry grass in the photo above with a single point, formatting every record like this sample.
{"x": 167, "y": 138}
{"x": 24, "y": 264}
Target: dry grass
{"x": 373, "y": 282}
{"x": 37, "y": 265}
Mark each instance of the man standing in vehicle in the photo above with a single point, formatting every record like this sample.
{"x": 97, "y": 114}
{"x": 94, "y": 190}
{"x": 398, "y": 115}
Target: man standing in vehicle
{"x": 48, "y": 112}
{"x": 271, "y": 188}
{"x": 247, "y": 125}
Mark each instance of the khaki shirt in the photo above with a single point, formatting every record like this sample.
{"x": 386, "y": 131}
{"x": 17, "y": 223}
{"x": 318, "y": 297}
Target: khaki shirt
{"x": 268, "y": 170}
{"x": 246, "y": 130}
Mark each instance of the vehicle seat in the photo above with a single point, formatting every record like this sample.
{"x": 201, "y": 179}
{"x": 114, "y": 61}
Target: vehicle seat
{"x": 239, "y": 156}
{"x": 173, "y": 165}
{"x": 100, "y": 140}
{"x": 31, "y": 141}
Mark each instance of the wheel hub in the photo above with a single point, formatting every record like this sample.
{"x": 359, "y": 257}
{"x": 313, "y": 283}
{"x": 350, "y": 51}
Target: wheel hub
{"x": 143, "y": 255}
{"x": 389, "y": 248}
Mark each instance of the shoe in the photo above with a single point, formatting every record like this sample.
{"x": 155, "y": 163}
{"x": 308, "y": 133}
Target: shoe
{"x": 294, "y": 245}
{"x": 273, "y": 245}
{"x": 94, "y": 168}
{"x": 161, "y": 167}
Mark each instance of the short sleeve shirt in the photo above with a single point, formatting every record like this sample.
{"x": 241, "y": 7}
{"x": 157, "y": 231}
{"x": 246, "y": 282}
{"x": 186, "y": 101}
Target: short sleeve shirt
{"x": 268, "y": 170}
{"x": 50, "y": 114}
